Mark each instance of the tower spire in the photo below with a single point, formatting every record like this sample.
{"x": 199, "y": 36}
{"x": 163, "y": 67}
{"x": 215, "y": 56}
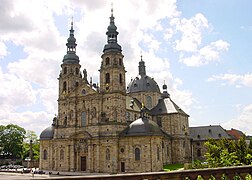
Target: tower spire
{"x": 71, "y": 56}
{"x": 112, "y": 33}
{"x": 141, "y": 67}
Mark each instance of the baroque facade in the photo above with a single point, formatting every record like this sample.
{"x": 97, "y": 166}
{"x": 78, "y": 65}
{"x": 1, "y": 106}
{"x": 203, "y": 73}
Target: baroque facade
{"x": 112, "y": 127}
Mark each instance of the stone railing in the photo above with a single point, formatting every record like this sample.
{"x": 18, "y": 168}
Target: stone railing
{"x": 225, "y": 173}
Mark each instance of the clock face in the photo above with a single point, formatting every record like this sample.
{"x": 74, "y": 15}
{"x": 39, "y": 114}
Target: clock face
{"x": 83, "y": 91}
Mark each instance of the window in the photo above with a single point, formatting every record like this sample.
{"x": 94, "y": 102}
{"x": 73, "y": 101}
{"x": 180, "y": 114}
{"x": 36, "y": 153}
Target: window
{"x": 107, "y": 61}
{"x": 61, "y": 154}
{"x": 158, "y": 154}
{"x": 64, "y": 86}
{"x": 137, "y": 154}
{"x": 148, "y": 101}
{"x": 107, "y": 154}
{"x": 45, "y": 154}
{"x": 83, "y": 119}
{"x": 120, "y": 61}
{"x": 199, "y": 152}
{"x": 65, "y": 70}
{"x": 76, "y": 84}
{"x": 65, "y": 121}
{"x": 120, "y": 78}
{"x": 76, "y": 71}
{"x": 107, "y": 78}
{"x": 159, "y": 121}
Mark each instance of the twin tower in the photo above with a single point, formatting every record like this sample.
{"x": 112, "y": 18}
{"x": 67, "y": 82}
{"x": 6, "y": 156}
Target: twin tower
{"x": 109, "y": 127}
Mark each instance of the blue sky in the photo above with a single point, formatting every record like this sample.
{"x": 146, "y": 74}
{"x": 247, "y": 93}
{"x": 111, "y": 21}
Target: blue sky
{"x": 201, "y": 49}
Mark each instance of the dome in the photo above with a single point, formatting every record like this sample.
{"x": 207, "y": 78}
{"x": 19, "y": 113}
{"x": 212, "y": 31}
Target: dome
{"x": 143, "y": 84}
{"x": 47, "y": 134}
{"x": 71, "y": 58}
{"x": 142, "y": 127}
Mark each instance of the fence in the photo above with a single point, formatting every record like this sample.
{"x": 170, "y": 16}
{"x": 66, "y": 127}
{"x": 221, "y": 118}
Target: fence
{"x": 237, "y": 172}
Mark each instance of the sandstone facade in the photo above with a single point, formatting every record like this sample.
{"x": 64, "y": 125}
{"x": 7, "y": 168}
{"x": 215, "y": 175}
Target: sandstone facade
{"x": 110, "y": 127}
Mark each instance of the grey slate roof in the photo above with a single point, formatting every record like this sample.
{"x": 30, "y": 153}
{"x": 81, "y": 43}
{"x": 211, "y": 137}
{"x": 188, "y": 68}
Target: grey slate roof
{"x": 143, "y": 84}
{"x": 47, "y": 133}
{"x": 166, "y": 106}
{"x": 202, "y": 133}
{"x": 142, "y": 127}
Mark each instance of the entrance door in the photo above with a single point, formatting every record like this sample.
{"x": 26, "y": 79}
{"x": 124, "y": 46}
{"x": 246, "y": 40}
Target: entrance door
{"x": 122, "y": 166}
{"x": 83, "y": 163}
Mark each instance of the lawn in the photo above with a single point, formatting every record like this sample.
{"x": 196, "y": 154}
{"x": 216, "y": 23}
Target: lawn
{"x": 172, "y": 167}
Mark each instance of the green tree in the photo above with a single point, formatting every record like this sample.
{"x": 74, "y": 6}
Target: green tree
{"x": 11, "y": 140}
{"x": 226, "y": 152}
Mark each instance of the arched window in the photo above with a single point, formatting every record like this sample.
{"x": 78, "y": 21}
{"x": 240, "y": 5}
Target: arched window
{"x": 137, "y": 154}
{"x": 148, "y": 102}
{"x": 83, "y": 119}
{"x": 199, "y": 152}
{"x": 120, "y": 61}
{"x": 65, "y": 121}
{"x": 64, "y": 86}
{"x": 107, "y": 154}
{"x": 45, "y": 154}
{"x": 61, "y": 154}
{"x": 120, "y": 78}
{"x": 76, "y": 84}
{"x": 76, "y": 71}
{"x": 65, "y": 70}
{"x": 158, "y": 153}
{"x": 107, "y": 61}
{"x": 107, "y": 78}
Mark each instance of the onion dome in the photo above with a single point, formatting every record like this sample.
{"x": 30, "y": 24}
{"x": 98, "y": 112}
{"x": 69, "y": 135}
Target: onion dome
{"x": 142, "y": 83}
{"x": 71, "y": 57}
{"x": 112, "y": 45}
{"x": 47, "y": 134}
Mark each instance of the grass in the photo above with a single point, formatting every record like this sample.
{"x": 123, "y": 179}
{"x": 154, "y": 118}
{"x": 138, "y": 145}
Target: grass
{"x": 172, "y": 167}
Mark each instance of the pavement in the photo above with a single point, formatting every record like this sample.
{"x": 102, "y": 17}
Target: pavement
{"x": 16, "y": 174}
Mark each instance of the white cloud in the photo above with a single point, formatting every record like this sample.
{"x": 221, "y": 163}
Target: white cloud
{"x": 192, "y": 51}
{"x": 36, "y": 121}
{"x": 191, "y": 30}
{"x": 3, "y": 50}
{"x": 206, "y": 55}
{"x": 234, "y": 79}
{"x": 15, "y": 91}
{"x": 243, "y": 121}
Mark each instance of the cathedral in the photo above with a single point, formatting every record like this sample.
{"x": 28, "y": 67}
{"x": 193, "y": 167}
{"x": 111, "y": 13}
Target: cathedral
{"x": 112, "y": 127}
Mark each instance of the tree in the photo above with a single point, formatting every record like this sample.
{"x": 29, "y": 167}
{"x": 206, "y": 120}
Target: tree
{"x": 226, "y": 152}
{"x": 11, "y": 141}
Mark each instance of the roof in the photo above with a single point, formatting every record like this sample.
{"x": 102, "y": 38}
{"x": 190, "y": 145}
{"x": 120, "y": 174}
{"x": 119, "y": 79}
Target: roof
{"x": 47, "y": 134}
{"x": 236, "y": 134}
{"x": 142, "y": 127}
{"x": 166, "y": 106}
{"x": 133, "y": 104}
{"x": 202, "y": 133}
{"x": 143, "y": 84}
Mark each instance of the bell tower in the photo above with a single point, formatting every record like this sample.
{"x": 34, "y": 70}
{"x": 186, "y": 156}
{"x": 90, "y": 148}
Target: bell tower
{"x": 70, "y": 76}
{"x": 112, "y": 71}
{"x": 112, "y": 77}
{"x": 69, "y": 79}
